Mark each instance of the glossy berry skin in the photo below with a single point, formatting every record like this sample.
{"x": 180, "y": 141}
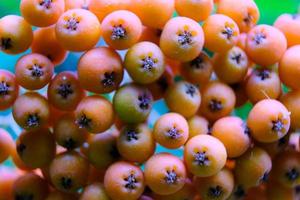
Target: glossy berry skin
{"x": 65, "y": 92}
{"x": 144, "y": 62}
{"x": 30, "y": 186}
{"x": 132, "y": 103}
{"x": 15, "y": 33}
{"x": 182, "y": 39}
{"x": 165, "y": 174}
{"x": 36, "y": 148}
{"x": 124, "y": 180}
{"x": 31, "y": 111}
{"x": 69, "y": 171}
{"x": 268, "y": 121}
{"x": 204, "y": 155}
{"x": 9, "y": 89}
{"x": 100, "y": 70}
{"x": 95, "y": 114}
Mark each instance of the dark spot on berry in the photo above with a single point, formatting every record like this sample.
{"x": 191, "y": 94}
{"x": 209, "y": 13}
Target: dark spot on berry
{"x": 24, "y": 197}
{"x": 6, "y": 43}
{"x": 158, "y": 32}
{"x": 83, "y": 121}
{"x": 36, "y": 71}
{"x": 163, "y": 83}
{"x": 144, "y": 101}
{"x": 247, "y": 130}
{"x": 190, "y": 89}
{"x": 173, "y": 133}
{"x": 66, "y": 183}
{"x": 118, "y": 32}
{"x": 264, "y": 74}
{"x": 197, "y": 63}
{"x": 281, "y": 142}
{"x": 265, "y": 177}
{"x": 239, "y": 192}
{"x": 131, "y": 135}
{"x": 259, "y": 37}
{"x": 237, "y": 58}
{"x": 215, "y": 191}
{"x": 64, "y": 90}
{"x": 131, "y": 182}
{"x": 228, "y": 31}
{"x": 215, "y": 105}
{"x": 72, "y": 24}
{"x": 4, "y": 87}
{"x": 69, "y": 144}
{"x": 33, "y": 120}
{"x": 292, "y": 174}
{"x": 277, "y": 125}
{"x": 248, "y": 19}
{"x": 114, "y": 152}
{"x": 185, "y": 38}
{"x": 21, "y": 148}
{"x": 148, "y": 63}
{"x": 297, "y": 189}
{"x": 46, "y": 3}
{"x": 109, "y": 79}
{"x": 171, "y": 177}
{"x": 201, "y": 159}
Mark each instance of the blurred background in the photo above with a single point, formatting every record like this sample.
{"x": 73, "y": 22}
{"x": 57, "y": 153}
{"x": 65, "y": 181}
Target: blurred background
{"x": 269, "y": 10}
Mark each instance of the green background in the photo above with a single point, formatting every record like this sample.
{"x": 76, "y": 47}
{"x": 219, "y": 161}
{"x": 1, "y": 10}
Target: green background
{"x": 269, "y": 10}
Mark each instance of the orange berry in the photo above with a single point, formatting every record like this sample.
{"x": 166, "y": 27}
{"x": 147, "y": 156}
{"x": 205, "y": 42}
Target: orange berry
{"x": 102, "y": 8}
{"x": 234, "y": 134}
{"x": 144, "y": 62}
{"x": 204, "y": 155}
{"x": 78, "y": 30}
{"x": 31, "y": 111}
{"x": 95, "y": 114}
{"x": 100, "y": 70}
{"x": 265, "y": 45}
{"x": 42, "y": 13}
{"x": 183, "y": 93}
{"x": 245, "y": 13}
{"x": 171, "y": 130}
{"x": 220, "y": 32}
{"x": 196, "y": 10}
{"x": 218, "y": 186}
{"x": 136, "y": 143}
{"x": 36, "y": 148}
{"x": 165, "y": 174}
{"x": 124, "y": 180}
{"x": 291, "y": 100}
{"x": 6, "y": 145}
{"x": 34, "y": 71}
{"x": 269, "y": 120}
{"x": 198, "y": 125}
{"x": 290, "y": 26}
{"x": 289, "y": 67}
{"x": 9, "y": 89}
{"x": 182, "y": 39}
{"x": 15, "y": 33}
{"x": 218, "y": 100}
{"x": 231, "y": 66}
{"x": 153, "y": 13}
{"x": 252, "y": 168}
{"x": 121, "y": 29}
{"x": 65, "y": 92}
{"x": 197, "y": 71}
{"x": 263, "y": 84}
{"x": 45, "y": 42}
